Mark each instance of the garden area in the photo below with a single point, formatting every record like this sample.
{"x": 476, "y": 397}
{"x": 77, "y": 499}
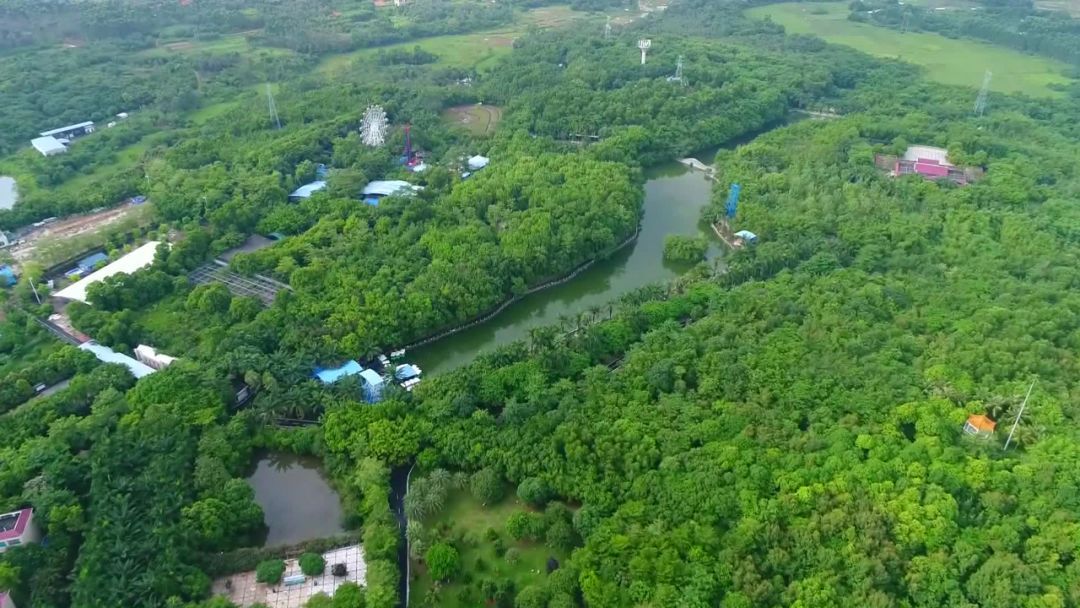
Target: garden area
{"x": 473, "y": 542}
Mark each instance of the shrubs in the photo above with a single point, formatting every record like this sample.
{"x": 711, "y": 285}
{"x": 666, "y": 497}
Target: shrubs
{"x": 339, "y": 570}
{"x": 270, "y": 571}
{"x": 486, "y": 486}
{"x": 312, "y": 564}
{"x": 534, "y": 491}
{"x": 442, "y": 561}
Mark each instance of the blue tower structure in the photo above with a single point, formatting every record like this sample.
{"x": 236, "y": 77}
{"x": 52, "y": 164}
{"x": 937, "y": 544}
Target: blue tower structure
{"x": 407, "y": 156}
{"x": 733, "y": 200}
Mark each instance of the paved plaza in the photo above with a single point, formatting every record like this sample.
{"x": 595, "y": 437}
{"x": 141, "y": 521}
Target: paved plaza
{"x": 242, "y": 589}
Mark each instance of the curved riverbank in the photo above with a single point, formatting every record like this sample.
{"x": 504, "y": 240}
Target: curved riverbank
{"x": 494, "y": 312}
{"x": 673, "y": 201}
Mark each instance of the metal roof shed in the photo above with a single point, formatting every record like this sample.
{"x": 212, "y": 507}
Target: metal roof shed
{"x": 48, "y": 146}
{"x": 307, "y": 190}
{"x": 136, "y": 260}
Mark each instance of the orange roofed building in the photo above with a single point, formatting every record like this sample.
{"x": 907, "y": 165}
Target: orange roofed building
{"x": 979, "y": 426}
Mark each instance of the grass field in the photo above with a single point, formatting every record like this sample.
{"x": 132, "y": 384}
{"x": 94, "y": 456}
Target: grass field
{"x": 477, "y": 119}
{"x": 960, "y": 62}
{"x": 468, "y": 519}
{"x": 478, "y": 50}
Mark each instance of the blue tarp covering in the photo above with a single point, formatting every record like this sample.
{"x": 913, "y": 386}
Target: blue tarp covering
{"x": 7, "y": 276}
{"x": 406, "y": 371}
{"x": 91, "y": 261}
{"x": 330, "y": 376}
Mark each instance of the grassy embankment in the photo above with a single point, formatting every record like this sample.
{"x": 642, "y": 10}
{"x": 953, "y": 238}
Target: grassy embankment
{"x": 949, "y": 61}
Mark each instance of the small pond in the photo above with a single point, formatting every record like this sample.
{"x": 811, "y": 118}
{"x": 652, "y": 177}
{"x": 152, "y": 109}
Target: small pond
{"x": 296, "y": 498}
{"x": 8, "y": 194}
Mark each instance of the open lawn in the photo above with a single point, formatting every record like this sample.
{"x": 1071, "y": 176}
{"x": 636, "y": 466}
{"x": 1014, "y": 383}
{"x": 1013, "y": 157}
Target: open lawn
{"x": 463, "y": 517}
{"x": 478, "y": 50}
{"x": 477, "y": 119}
{"x": 960, "y": 62}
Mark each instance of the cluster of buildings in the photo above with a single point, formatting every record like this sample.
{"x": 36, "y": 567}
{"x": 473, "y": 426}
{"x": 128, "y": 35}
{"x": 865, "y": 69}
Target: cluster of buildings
{"x": 56, "y": 141}
{"x": 930, "y": 163}
{"x": 373, "y": 383}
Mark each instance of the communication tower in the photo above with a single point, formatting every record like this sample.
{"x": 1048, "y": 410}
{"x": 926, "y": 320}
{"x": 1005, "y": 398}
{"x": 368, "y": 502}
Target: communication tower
{"x": 373, "y": 126}
{"x": 644, "y": 45}
{"x": 607, "y": 28}
{"x": 980, "y": 101}
{"x": 274, "y": 118}
{"x": 408, "y": 153}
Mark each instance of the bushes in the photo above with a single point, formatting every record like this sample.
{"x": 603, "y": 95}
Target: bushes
{"x": 534, "y": 491}
{"x": 270, "y": 571}
{"x": 486, "y": 486}
{"x": 442, "y": 561}
{"x": 312, "y": 564}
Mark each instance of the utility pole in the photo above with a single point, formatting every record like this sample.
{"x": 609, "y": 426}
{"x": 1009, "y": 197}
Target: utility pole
{"x": 32, "y": 287}
{"x": 1018, "y": 414}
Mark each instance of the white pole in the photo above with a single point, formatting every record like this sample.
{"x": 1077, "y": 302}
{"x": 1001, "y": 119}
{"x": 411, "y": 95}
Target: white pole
{"x": 36, "y": 296}
{"x": 408, "y": 558}
{"x": 1018, "y": 414}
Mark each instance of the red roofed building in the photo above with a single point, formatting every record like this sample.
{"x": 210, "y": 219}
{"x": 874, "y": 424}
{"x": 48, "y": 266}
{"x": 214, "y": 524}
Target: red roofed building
{"x": 930, "y": 163}
{"x": 18, "y": 528}
{"x": 979, "y": 426}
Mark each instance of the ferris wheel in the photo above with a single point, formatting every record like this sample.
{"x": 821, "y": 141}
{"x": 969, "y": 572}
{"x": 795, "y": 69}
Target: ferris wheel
{"x": 373, "y": 126}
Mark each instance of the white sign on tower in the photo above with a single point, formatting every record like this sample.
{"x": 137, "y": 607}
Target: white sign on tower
{"x": 644, "y": 45}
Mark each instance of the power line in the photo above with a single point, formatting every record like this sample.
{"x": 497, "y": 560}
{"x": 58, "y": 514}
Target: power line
{"x": 980, "y": 101}
{"x": 273, "y": 107}
{"x": 1018, "y": 414}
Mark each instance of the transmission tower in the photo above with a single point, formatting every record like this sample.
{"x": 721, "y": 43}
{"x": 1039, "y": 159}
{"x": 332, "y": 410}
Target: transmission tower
{"x": 274, "y": 118}
{"x": 644, "y": 44}
{"x": 607, "y": 28}
{"x": 678, "y": 77}
{"x": 980, "y": 101}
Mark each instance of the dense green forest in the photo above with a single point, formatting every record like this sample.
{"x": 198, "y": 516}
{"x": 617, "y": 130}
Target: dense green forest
{"x": 783, "y": 429}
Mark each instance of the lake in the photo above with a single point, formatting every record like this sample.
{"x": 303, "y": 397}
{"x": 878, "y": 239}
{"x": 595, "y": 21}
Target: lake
{"x": 296, "y": 498}
{"x": 674, "y": 197}
{"x": 8, "y": 194}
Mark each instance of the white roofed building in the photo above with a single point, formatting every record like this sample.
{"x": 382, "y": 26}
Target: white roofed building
{"x": 136, "y": 260}
{"x": 108, "y": 355}
{"x": 307, "y": 190}
{"x": 150, "y": 356}
{"x": 48, "y": 145}
{"x": 390, "y": 186}
{"x": 478, "y": 162}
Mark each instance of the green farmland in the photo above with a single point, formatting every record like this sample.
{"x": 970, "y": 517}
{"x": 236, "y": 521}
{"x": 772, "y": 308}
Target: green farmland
{"x": 960, "y": 62}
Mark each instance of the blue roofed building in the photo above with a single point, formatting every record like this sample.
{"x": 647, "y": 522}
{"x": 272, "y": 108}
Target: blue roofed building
{"x": 332, "y": 375}
{"x": 373, "y": 385}
{"x": 90, "y": 262}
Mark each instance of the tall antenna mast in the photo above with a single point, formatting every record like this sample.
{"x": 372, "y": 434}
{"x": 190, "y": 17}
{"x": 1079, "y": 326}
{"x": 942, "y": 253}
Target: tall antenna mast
{"x": 607, "y": 28}
{"x": 644, "y": 45}
{"x": 274, "y": 118}
{"x": 678, "y": 77}
{"x": 980, "y": 101}
{"x": 1018, "y": 414}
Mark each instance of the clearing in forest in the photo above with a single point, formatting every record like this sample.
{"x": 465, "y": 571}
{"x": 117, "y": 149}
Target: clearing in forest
{"x": 478, "y": 119}
{"x": 466, "y": 519}
{"x": 960, "y": 62}
{"x": 477, "y": 50}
